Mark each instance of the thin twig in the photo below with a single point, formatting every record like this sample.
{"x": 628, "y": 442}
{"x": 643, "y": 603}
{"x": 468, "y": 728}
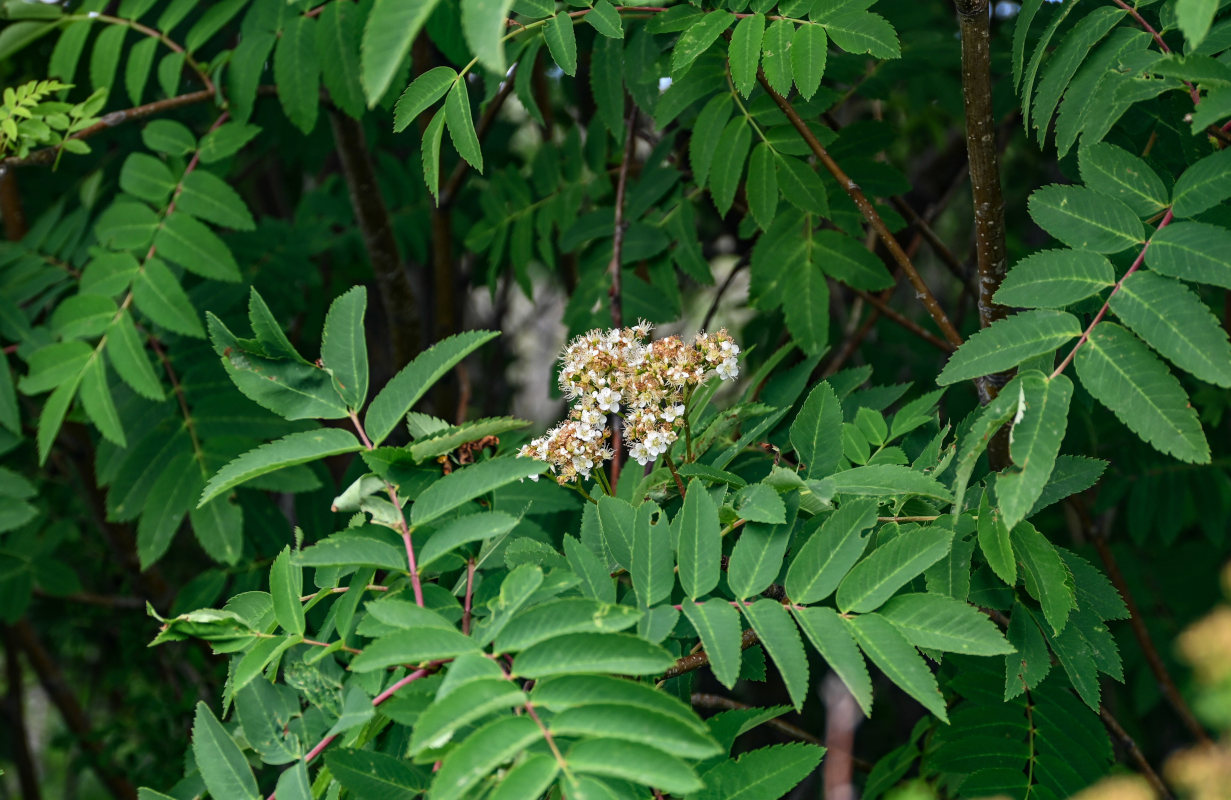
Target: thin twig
{"x": 869, "y": 213}
{"x": 14, "y": 709}
{"x": 906, "y": 322}
{"x": 1134, "y": 752}
{"x": 695, "y": 661}
{"x": 615, "y": 293}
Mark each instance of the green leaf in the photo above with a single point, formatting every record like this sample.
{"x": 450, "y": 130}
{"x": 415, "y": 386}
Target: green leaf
{"x": 850, "y": 262}
{"x": 205, "y": 195}
{"x": 368, "y": 774}
{"x": 1193, "y": 251}
{"x": 806, "y": 306}
{"x": 52, "y": 416}
{"x": 744, "y": 52}
{"x": 530, "y": 778}
{"x": 147, "y": 177}
{"x": 461, "y": 125}
{"x": 890, "y": 567}
{"x": 1118, "y": 173}
{"x": 562, "y": 616}
{"x": 652, "y": 561}
{"x": 994, "y": 542}
{"x": 562, "y": 42}
{"x": 828, "y": 555}
{"x": 767, "y": 773}
{"x": 1065, "y": 59}
{"x": 463, "y": 530}
{"x": 943, "y": 623}
{"x": 413, "y": 646}
{"x": 1055, "y": 279}
{"x": 106, "y": 56}
{"x": 833, "y": 640}
{"x": 762, "y": 184}
{"x": 297, "y": 71}
{"x": 448, "y": 439}
{"x": 757, "y": 557}
{"x": 696, "y": 39}
{"x": 285, "y": 586}
{"x": 337, "y": 40}
{"x": 10, "y": 417}
{"x": 295, "y": 448}
{"x": 168, "y": 136}
{"x": 816, "y": 433}
{"x": 760, "y": 502}
{"x": 293, "y": 783}
{"x": 1194, "y": 18}
{"x": 717, "y": 623}
{"x": 776, "y": 55}
{"x": 469, "y": 702}
{"x": 226, "y": 141}
{"x": 900, "y": 662}
{"x": 416, "y": 378}
{"x": 1122, "y": 374}
{"x": 778, "y": 634}
{"x": 571, "y": 691}
{"x": 1203, "y": 185}
{"x": 595, "y": 579}
{"x": 1085, "y": 219}
{"x": 223, "y": 768}
{"x": 635, "y": 724}
{"x": 809, "y": 51}
{"x": 700, "y": 541}
{"x": 863, "y": 32}
{"x": 802, "y": 187}
{"x": 97, "y": 402}
{"x": 887, "y": 479}
{"x": 483, "y": 22}
{"x": 1175, "y": 322}
{"x": 734, "y": 142}
{"x": 1008, "y": 342}
{"x": 616, "y": 519}
{"x": 605, "y": 19}
{"x": 619, "y": 653}
{"x": 463, "y": 485}
{"x": 633, "y": 762}
{"x": 1047, "y": 579}
{"x": 344, "y": 350}
{"x": 189, "y": 243}
{"x": 170, "y": 498}
{"x": 219, "y": 528}
{"x": 372, "y": 546}
{"x": 1034, "y": 443}
{"x": 391, "y": 28}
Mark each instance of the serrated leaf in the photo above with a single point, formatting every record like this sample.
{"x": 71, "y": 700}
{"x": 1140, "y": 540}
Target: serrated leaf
{"x": 470, "y": 702}
{"x": 1034, "y": 443}
{"x": 344, "y": 349}
{"x": 762, "y": 184}
{"x": 189, "y": 243}
{"x": 97, "y": 402}
{"x": 806, "y": 306}
{"x": 1192, "y": 251}
{"x": 295, "y": 448}
{"x": 391, "y": 28}
{"x": 1194, "y": 18}
{"x": 1046, "y": 578}
{"x": 890, "y": 567}
{"x": 337, "y": 46}
{"x": 562, "y": 616}
{"x": 635, "y": 724}
{"x": 1063, "y": 62}
{"x": 620, "y": 653}
{"x": 483, "y": 23}
{"x": 529, "y": 778}
{"x": 463, "y": 530}
{"x": 1203, "y": 185}
{"x": 465, "y": 484}
{"x": 223, "y": 768}
{"x": 1055, "y": 279}
{"x": 1085, "y": 219}
{"x": 864, "y": 32}
{"x": 887, "y": 479}
{"x": 1117, "y": 173}
{"x": 696, "y": 39}
{"x": 147, "y": 177}
{"x": 652, "y": 564}
{"x": 850, "y": 262}
{"x": 1122, "y": 374}
{"x": 816, "y": 432}
{"x": 562, "y": 42}
{"x": 219, "y": 528}
{"x": 571, "y": 691}
{"x": 605, "y": 19}
{"x": 205, "y": 195}
{"x": 297, "y": 72}
{"x": 285, "y": 587}
{"x": 52, "y": 416}
{"x": 733, "y": 144}
{"x": 828, "y": 555}
{"x": 776, "y": 55}
{"x": 616, "y": 519}
{"x": 994, "y": 542}
{"x": 700, "y": 542}
{"x": 1008, "y": 342}
{"x": 744, "y": 52}
{"x": 802, "y": 187}
{"x": 416, "y": 378}
{"x": 717, "y": 623}
{"x": 767, "y": 773}
{"x": 365, "y": 773}
{"x": 1026, "y": 668}
{"x": 631, "y": 761}
{"x": 833, "y": 640}
{"x": 595, "y": 579}
{"x": 412, "y": 646}
{"x": 809, "y": 52}
{"x": 757, "y": 557}
{"x": 780, "y": 638}
{"x": 943, "y": 623}
{"x": 1175, "y": 322}
{"x": 461, "y": 125}
{"x": 900, "y": 662}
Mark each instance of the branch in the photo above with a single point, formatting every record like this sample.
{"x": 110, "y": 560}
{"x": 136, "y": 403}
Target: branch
{"x": 116, "y": 118}
{"x": 1135, "y": 754}
{"x": 617, "y": 254}
{"x": 14, "y": 708}
{"x": 695, "y": 661}
{"x": 60, "y": 691}
{"x": 906, "y": 322}
{"x": 869, "y": 213}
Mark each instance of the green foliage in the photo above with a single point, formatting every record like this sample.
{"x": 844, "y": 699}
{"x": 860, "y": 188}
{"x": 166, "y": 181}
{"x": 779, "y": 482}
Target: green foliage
{"x": 267, "y": 311}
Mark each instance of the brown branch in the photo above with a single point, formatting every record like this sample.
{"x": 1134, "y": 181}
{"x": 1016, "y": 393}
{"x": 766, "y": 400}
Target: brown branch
{"x": 869, "y": 213}
{"x": 14, "y": 709}
{"x": 397, "y": 294}
{"x": 906, "y": 322}
{"x": 48, "y": 154}
{"x": 938, "y": 246}
{"x": 58, "y": 689}
{"x": 10, "y": 206}
{"x": 1134, "y": 752}
{"x": 695, "y": 661}
{"x": 617, "y": 254}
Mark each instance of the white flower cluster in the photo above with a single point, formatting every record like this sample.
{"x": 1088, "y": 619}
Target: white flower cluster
{"x": 646, "y": 385}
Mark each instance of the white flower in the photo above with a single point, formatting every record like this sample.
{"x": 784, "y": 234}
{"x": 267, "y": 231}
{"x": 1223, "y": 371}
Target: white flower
{"x": 642, "y": 454}
{"x": 728, "y": 369}
{"x": 608, "y": 400}
{"x": 673, "y": 412}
